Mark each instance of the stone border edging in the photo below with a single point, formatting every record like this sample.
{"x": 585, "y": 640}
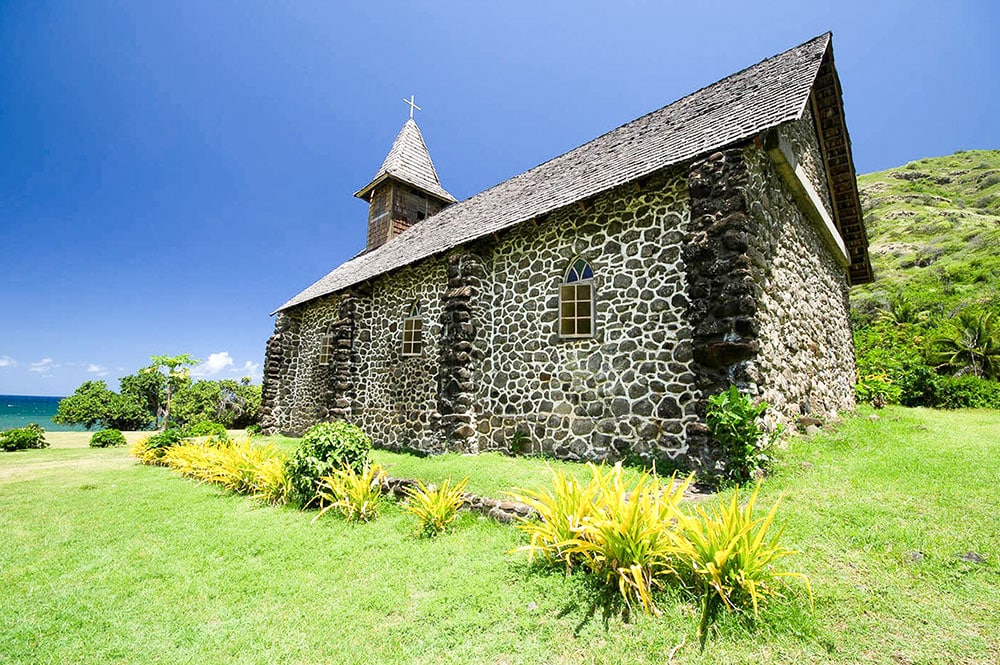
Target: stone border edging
{"x": 502, "y": 511}
{"x": 496, "y": 509}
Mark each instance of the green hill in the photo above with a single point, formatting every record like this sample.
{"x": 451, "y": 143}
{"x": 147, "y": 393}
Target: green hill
{"x": 934, "y": 229}
{"x": 927, "y": 330}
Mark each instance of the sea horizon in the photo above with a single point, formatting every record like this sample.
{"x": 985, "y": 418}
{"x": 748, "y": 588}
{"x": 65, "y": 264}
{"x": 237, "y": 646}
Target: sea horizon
{"x": 21, "y": 410}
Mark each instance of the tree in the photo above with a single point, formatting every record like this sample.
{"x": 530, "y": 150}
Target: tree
{"x": 92, "y": 403}
{"x": 970, "y": 345}
{"x": 147, "y": 388}
{"x": 197, "y": 403}
{"x": 235, "y": 405}
{"x": 178, "y": 373}
{"x": 85, "y": 406}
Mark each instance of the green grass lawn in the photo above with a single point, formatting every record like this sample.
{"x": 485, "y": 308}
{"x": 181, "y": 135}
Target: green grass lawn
{"x": 106, "y": 561}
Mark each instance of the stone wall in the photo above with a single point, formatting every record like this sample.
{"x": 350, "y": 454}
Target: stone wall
{"x": 298, "y": 391}
{"x": 704, "y": 275}
{"x": 396, "y": 396}
{"x": 627, "y": 391}
{"x": 805, "y": 364}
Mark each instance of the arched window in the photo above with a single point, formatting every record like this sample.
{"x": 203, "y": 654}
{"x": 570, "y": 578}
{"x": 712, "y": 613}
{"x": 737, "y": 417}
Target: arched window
{"x": 326, "y": 347}
{"x": 576, "y": 301}
{"x": 413, "y": 332}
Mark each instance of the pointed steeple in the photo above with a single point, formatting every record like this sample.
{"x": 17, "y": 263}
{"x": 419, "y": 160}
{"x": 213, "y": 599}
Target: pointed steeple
{"x": 405, "y": 189}
{"x": 408, "y": 161}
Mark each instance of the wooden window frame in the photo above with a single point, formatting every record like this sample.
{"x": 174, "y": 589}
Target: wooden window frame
{"x": 413, "y": 334}
{"x": 575, "y": 292}
{"x": 326, "y": 347}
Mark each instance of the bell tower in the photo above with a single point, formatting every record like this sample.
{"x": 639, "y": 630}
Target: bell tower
{"x": 405, "y": 190}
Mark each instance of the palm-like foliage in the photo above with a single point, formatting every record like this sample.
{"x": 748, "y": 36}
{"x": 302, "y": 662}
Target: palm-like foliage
{"x": 561, "y": 512}
{"x": 971, "y": 345}
{"x": 436, "y": 508}
{"x": 354, "y": 495}
{"x": 728, "y": 557}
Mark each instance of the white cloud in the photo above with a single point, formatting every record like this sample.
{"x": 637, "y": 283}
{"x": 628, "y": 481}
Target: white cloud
{"x": 215, "y": 363}
{"x": 249, "y": 369}
{"x": 43, "y": 366}
{"x": 97, "y": 369}
{"x": 7, "y": 361}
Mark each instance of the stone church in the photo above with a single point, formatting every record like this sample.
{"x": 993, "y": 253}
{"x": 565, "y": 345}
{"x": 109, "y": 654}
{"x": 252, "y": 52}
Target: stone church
{"x": 587, "y": 308}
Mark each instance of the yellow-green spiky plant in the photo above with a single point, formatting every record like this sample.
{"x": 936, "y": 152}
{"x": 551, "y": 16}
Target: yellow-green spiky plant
{"x": 273, "y": 483}
{"x": 354, "y": 495}
{"x": 630, "y": 539}
{"x": 240, "y": 466}
{"x": 436, "y": 508}
{"x": 728, "y": 556}
{"x": 561, "y": 512}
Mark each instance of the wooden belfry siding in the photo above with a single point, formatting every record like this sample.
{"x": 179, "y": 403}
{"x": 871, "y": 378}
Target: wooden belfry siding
{"x": 831, "y": 127}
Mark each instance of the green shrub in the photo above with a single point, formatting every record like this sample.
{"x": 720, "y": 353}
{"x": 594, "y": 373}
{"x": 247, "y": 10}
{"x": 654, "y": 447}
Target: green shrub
{"x": 877, "y": 390}
{"x": 207, "y": 428}
{"x": 107, "y": 438}
{"x": 23, "y": 438}
{"x": 152, "y": 449}
{"x": 966, "y": 392}
{"x": 325, "y": 448}
{"x": 736, "y": 422}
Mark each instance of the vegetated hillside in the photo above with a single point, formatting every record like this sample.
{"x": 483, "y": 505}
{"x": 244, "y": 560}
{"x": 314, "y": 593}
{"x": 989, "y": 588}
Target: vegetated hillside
{"x": 927, "y": 330}
{"x": 934, "y": 229}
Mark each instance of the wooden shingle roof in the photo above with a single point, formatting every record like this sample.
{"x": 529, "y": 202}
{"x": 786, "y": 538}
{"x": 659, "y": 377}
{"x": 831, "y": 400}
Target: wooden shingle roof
{"x": 732, "y": 110}
{"x": 409, "y": 161}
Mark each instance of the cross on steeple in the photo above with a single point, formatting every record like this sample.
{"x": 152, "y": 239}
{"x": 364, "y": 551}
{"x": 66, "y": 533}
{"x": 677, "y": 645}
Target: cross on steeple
{"x": 412, "y": 106}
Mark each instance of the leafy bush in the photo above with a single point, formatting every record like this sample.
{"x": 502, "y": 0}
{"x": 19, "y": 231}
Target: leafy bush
{"x": 152, "y": 449}
{"x": 354, "y": 495}
{"x": 728, "y": 559}
{"x": 107, "y": 438}
{"x": 736, "y": 423}
{"x": 966, "y": 392}
{"x": 877, "y": 390}
{"x": 326, "y": 447}
{"x": 234, "y": 404}
{"x": 436, "y": 508}
{"x": 206, "y": 428}
{"x": 623, "y": 535}
{"x": 23, "y": 438}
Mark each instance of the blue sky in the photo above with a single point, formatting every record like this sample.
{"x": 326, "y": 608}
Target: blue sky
{"x": 171, "y": 172}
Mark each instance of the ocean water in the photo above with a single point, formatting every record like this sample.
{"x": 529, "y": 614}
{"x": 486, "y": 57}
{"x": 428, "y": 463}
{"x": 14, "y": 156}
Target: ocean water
{"x": 19, "y": 410}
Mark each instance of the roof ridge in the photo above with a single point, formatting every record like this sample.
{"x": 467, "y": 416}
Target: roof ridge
{"x": 730, "y": 110}
{"x": 828, "y": 34}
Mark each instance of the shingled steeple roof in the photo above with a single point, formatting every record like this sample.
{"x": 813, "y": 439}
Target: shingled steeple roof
{"x": 408, "y": 161}
{"x": 736, "y": 109}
